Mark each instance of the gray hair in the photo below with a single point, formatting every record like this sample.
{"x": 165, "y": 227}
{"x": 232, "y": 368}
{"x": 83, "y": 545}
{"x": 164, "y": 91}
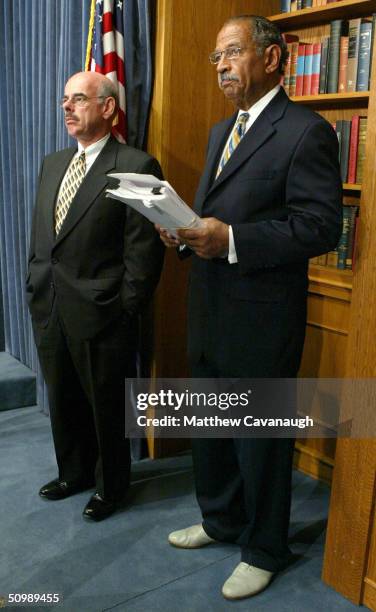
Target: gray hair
{"x": 264, "y": 33}
{"x": 109, "y": 90}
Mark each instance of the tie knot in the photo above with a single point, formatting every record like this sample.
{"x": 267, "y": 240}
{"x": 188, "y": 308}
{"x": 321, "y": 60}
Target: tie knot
{"x": 81, "y": 158}
{"x": 243, "y": 118}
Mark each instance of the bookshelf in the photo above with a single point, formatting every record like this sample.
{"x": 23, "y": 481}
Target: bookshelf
{"x": 340, "y": 335}
{"x": 311, "y": 26}
{"x": 330, "y": 289}
{"x": 334, "y": 100}
{"x": 344, "y": 9}
{"x": 352, "y": 187}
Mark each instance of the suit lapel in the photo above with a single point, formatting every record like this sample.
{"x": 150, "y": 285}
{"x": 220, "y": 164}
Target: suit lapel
{"x": 95, "y": 181}
{"x": 258, "y": 133}
{"x": 55, "y": 176}
{"x": 218, "y": 139}
{"x": 262, "y": 129}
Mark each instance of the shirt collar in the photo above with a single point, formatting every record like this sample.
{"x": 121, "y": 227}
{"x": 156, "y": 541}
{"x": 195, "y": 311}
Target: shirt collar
{"x": 256, "y": 109}
{"x": 94, "y": 148}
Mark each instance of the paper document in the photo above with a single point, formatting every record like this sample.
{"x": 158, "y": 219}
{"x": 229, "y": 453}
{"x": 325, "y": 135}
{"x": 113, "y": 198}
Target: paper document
{"x": 155, "y": 199}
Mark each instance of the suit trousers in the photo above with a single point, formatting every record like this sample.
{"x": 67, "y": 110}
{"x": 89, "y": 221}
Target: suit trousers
{"x": 243, "y": 488}
{"x": 85, "y": 383}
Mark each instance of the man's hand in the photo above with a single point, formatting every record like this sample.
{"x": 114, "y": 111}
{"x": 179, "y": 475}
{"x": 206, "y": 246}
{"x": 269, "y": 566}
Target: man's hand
{"x": 208, "y": 241}
{"x": 168, "y": 240}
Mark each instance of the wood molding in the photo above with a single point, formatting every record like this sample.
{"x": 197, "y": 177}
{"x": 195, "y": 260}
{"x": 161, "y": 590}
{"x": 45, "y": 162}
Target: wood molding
{"x": 313, "y": 462}
{"x": 369, "y": 595}
{"x": 351, "y": 509}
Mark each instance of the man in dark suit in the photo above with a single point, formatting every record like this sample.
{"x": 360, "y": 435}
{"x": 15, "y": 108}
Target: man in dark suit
{"x": 94, "y": 264}
{"x": 270, "y": 196}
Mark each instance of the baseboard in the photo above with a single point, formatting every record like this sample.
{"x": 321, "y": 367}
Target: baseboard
{"x": 369, "y": 594}
{"x": 313, "y": 463}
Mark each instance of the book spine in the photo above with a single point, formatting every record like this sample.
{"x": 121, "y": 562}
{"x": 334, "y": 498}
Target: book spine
{"x": 356, "y": 233}
{"x": 285, "y": 6}
{"x": 307, "y": 4}
{"x": 352, "y": 67}
{"x": 286, "y": 76}
{"x": 293, "y": 68}
{"x": 350, "y": 245}
{"x": 364, "y": 56}
{"x": 361, "y": 149}
{"x": 373, "y": 34}
{"x": 354, "y": 135}
{"x": 324, "y": 65}
{"x": 345, "y": 148}
{"x": 343, "y": 60}
{"x": 344, "y": 240}
{"x": 338, "y": 129}
{"x": 315, "y": 82}
{"x": 293, "y": 6}
{"x": 300, "y": 70}
{"x": 333, "y": 57}
{"x": 298, "y": 5}
{"x": 307, "y": 76}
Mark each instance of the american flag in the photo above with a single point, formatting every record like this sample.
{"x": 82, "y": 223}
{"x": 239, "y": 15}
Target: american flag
{"x": 105, "y": 53}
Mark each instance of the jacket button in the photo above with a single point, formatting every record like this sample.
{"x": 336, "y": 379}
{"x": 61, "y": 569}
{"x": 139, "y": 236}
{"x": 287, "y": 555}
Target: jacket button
{"x": 54, "y": 260}
{"x": 52, "y": 285}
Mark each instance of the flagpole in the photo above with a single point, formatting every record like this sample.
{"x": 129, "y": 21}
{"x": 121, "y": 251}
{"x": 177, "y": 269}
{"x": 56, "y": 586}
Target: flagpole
{"x": 90, "y": 35}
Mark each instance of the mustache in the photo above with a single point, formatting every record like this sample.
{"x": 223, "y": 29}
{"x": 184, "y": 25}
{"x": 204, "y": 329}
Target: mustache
{"x": 70, "y": 116}
{"x": 227, "y": 76}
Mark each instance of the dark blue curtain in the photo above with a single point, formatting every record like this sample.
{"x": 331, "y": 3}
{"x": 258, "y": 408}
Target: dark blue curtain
{"x": 43, "y": 42}
{"x": 138, "y": 68}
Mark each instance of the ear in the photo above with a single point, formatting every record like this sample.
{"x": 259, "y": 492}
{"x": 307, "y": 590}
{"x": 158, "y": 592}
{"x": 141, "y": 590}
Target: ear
{"x": 272, "y": 58}
{"x": 108, "y": 107}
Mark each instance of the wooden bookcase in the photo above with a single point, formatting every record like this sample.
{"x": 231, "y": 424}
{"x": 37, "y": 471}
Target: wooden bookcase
{"x": 341, "y": 337}
{"x": 330, "y": 290}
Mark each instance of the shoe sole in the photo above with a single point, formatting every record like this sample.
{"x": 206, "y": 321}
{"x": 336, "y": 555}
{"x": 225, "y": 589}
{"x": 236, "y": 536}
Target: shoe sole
{"x": 191, "y": 547}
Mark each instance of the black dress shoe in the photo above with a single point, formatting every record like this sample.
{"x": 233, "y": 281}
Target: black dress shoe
{"x": 98, "y": 508}
{"x": 60, "y": 489}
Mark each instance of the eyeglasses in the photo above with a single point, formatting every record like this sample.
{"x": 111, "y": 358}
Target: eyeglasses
{"x": 79, "y": 100}
{"x": 229, "y": 54}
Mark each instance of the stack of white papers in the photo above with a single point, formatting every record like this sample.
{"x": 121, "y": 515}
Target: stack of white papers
{"x": 154, "y": 199}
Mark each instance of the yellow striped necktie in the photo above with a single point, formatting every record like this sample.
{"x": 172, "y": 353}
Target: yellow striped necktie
{"x": 236, "y": 136}
{"x": 72, "y": 181}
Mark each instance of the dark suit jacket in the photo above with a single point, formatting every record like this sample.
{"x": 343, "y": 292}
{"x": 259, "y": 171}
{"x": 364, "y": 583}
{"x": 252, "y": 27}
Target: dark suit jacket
{"x": 281, "y": 192}
{"x": 106, "y": 259}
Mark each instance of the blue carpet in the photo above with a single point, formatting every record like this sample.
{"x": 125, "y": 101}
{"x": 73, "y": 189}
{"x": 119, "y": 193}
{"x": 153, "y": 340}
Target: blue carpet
{"x": 17, "y": 383}
{"x": 125, "y": 563}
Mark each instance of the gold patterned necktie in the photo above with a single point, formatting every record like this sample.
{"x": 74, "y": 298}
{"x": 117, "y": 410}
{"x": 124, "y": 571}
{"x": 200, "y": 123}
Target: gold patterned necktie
{"x": 72, "y": 181}
{"x": 236, "y": 136}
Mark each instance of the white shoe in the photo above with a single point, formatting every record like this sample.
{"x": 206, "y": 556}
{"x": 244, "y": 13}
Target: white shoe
{"x": 192, "y": 537}
{"x": 246, "y": 580}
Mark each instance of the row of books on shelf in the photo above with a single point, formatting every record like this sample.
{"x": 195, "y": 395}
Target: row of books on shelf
{"x": 343, "y": 257}
{"x": 290, "y": 6}
{"x": 351, "y": 136}
{"x": 337, "y": 63}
